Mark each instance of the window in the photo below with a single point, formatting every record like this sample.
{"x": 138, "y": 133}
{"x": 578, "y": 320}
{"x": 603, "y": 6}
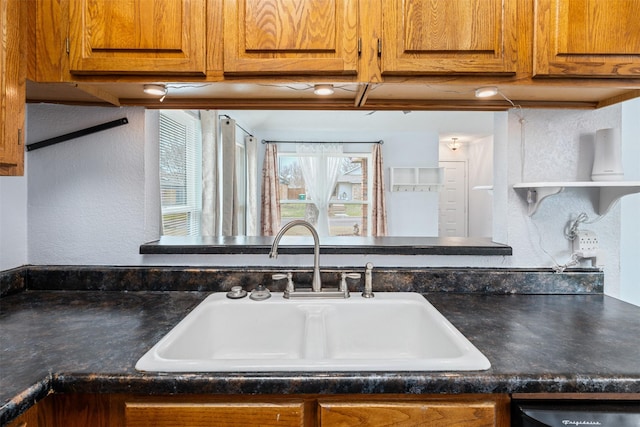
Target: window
{"x": 180, "y": 172}
{"x": 349, "y": 208}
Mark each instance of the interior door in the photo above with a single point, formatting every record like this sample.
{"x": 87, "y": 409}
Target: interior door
{"x": 453, "y": 218}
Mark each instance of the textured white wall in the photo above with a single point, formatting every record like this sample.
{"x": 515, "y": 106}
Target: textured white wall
{"x": 87, "y": 195}
{"x": 87, "y": 201}
{"x": 13, "y": 222}
{"x": 558, "y": 146}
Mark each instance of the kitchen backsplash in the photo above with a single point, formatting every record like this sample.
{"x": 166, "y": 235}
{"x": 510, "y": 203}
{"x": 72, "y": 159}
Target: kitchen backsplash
{"x": 408, "y": 279}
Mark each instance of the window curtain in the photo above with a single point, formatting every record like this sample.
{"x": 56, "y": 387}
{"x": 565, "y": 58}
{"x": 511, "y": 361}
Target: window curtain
{"x": 379, "y": 205}
{"x": 270, "y": 209}
{"x": 229, "y": 196}
{"x": 320, "y": 168}
{"x": 251, "y": 148}
{"x": 209, "y": 218}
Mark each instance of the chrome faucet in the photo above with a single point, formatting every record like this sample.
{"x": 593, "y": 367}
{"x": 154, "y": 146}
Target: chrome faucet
{"x": 316, "y": 284}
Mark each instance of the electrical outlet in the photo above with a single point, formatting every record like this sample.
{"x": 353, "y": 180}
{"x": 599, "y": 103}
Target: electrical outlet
{"x": 585, "y": 245}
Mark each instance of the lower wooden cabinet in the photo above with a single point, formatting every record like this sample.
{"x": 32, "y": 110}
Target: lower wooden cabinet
{"x": 398, "y": 410}
{"x": 220, "y": 414}
{"x": 428, "y": 411}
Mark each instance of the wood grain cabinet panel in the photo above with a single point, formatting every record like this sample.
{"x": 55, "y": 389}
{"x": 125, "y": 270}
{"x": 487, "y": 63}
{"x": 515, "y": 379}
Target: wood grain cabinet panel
{"x": 311, "y": 37}
{"x": 410, "y": 414}
{"x": 137, "y": 36}
{"x": 149, "y": 414}
{"x": 12, "y": 86}
{"x": 427, "y": 37}
{"x": 587, "y": 38}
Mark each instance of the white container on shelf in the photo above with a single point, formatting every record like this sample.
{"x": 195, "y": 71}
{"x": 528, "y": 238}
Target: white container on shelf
{"x": 607, "y": 156}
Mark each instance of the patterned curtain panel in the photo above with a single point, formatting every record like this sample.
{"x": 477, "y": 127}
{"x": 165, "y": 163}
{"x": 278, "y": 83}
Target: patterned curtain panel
{"x": 379, "y": 208}
{"x": 270, "y": 212}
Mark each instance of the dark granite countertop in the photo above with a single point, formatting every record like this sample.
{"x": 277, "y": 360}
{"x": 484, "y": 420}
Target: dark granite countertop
{"x": 89, "y": 341}
{"x": 387, "y": 245}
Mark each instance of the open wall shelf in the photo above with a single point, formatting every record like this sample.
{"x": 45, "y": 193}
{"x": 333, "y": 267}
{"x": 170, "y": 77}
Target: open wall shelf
{"x": 416, "y": 178}
{"x": 610, "y": 191}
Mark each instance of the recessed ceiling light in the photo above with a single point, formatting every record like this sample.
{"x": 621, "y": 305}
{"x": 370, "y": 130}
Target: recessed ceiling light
{"x": 323, "y": 89}
{"x": 487, "y": 91}
{"x": 156, "y": 90}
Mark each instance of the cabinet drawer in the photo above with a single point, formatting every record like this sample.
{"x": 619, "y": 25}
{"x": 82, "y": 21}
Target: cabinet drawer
{"x": 407, "y": 414}
{"x": 150, "y": 414}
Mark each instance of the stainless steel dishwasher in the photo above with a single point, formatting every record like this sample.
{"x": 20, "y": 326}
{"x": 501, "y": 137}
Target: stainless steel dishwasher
{"x": 579, "y": 413}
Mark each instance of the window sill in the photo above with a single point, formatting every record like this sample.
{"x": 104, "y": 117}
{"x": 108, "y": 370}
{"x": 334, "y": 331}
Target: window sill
{"x": 168, "y": 245}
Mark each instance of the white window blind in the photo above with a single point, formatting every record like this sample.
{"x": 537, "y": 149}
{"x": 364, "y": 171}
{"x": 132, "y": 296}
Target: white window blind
{"x": 180, "y": 172}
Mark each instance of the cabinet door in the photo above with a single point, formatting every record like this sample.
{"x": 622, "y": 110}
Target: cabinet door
{"x": 587, "y": 38}
{"x": 12, "y": 86}
{"x": 312, "y": 37}
{"x": 149, "y": 414}
{"x": 137, "y": 36}
{"x": 409, "y": 414}
{"x": 427, "y": 37}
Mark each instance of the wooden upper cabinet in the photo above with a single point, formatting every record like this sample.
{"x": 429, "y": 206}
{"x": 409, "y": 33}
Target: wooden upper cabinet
{"x": 137, "y": 36}
{"x": 587, "y": 38}
{"x": 306, "y": 37}
{"x": 12, "y": 86}
{"x": 427, "y": 37}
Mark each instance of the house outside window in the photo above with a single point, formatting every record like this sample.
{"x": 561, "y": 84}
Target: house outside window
{"x": 349, "y": 207}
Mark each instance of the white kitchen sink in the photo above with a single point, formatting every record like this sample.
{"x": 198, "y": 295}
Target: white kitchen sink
{"x": 395, "y": 331}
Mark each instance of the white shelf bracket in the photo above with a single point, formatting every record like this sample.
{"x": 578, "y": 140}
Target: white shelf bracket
{"x": 610, "y": 195}
{"x": 535, "y": 195}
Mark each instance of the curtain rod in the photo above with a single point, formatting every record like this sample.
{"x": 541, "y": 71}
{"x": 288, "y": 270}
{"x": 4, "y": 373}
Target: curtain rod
{"x": 323, "y": 142}
{"x": 237, "y": 125}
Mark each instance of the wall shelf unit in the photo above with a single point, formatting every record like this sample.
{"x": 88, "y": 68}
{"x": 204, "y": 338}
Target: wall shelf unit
{"x": 416, "y": 178}
{"x": 609, "y": 192}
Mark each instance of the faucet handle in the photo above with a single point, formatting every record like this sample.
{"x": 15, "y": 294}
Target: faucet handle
{"x": 289, "y": 276}
{"x": 343, "y": 281}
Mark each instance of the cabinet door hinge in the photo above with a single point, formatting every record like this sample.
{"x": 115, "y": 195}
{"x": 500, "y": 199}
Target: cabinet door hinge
{"x": 67, "y": 45}
{"x": 379, "y": 47}
{"x": 359, "y": 46}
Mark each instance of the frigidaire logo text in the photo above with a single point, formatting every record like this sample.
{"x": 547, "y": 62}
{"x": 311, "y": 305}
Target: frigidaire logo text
{"x": 581, "y": 423}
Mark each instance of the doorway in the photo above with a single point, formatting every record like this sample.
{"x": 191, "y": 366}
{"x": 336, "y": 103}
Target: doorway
{"x": 452, "y": 215}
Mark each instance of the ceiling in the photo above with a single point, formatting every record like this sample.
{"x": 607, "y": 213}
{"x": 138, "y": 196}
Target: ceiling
{"x": 465, "y": 125}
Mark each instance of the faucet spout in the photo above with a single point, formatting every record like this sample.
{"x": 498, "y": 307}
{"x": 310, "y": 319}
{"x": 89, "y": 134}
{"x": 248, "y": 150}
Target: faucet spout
{"x": 316, "y": 284}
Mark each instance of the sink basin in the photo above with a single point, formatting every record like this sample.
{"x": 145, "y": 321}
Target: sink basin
{"x": 395, "y": 331}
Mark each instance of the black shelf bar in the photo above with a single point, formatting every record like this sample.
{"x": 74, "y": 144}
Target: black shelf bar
{"x": 77, "y": 134}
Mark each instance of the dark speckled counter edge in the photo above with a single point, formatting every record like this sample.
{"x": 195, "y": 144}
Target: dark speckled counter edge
{"x": 203, "y": 279}
{"x": 342, "y": 383}
{"x": 25, "y": 400}
{"x": 310, "y": 383}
